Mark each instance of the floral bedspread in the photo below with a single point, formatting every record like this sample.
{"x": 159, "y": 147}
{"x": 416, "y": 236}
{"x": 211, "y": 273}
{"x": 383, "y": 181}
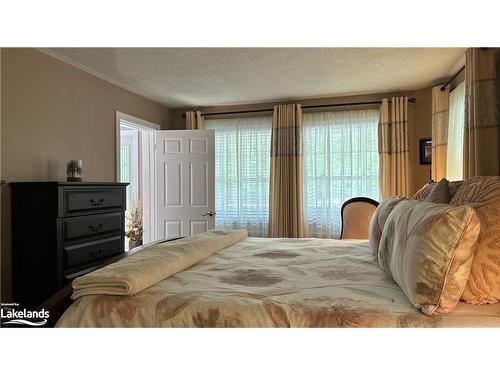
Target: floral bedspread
{"x": 261, "y": 282}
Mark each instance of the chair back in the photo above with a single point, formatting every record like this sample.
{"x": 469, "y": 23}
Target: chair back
{"x": 356, "y": 214}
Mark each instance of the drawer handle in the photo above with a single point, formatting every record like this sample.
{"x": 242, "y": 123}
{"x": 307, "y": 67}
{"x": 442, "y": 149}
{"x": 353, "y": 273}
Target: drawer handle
{"x": 96, "y": 253}
{"x": 95, "y": 228}
{"x": 95, "y": 203}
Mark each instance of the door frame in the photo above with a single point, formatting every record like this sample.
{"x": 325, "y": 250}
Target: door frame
{"x": 146, "y": 163}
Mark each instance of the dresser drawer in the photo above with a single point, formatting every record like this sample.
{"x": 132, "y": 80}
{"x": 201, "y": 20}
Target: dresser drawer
{"x": 80, "y": 200}
{"x": 91, "y": 251}
{"x": 90, "y": 225}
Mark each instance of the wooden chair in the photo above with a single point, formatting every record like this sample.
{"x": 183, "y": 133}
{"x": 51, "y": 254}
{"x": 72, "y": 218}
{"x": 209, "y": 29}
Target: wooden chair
{"x": 356, "y": 214}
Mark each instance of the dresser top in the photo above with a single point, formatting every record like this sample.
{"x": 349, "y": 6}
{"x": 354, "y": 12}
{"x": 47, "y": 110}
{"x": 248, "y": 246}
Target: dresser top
{"x": 65, "y": 183}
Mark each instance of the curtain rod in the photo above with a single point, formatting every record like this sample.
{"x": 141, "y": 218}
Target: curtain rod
{"x": 452, "y": 78}
{"x": 459, "y": 71}
{"x": 410, "y": 100}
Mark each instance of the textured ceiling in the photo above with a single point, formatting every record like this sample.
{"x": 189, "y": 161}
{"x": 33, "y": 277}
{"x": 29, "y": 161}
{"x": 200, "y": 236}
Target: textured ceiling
{"x": 182, "y": 77}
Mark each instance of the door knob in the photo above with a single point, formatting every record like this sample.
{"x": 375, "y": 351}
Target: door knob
{"x": 209, "y": 213}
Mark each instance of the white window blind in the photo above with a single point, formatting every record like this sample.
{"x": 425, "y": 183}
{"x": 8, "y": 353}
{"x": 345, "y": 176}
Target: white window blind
{"x": 456, "y": 124}
{"x": 242, "y": 165}
{"x": 341, "y": 162}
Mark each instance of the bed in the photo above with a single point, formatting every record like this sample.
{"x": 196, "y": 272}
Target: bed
{"x": 262, "y": 282}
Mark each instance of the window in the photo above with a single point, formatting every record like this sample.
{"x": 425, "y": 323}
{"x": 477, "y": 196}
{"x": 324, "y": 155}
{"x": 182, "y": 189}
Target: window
{"x": 341, "y": 162}
{"x": 135, "y": 161}
{"x": 129, "y": 164}
{"x": 125, "y": 166}
{"x": 242, "y": 166}
{"x": 456, "y": 124}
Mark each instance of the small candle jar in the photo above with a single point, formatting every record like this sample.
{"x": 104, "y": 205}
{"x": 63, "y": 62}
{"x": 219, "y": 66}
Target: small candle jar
{"x": 74, "y": 170}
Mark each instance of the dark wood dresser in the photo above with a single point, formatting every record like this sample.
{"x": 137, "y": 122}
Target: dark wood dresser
{"x": 61, "y": 230}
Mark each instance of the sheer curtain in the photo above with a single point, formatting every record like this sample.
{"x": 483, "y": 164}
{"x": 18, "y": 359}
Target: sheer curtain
{"x": 440, "y": 125}
{"x": 242, "y": 166}
{"x": 456, "y": 123}
{"x": 341, "y": 162}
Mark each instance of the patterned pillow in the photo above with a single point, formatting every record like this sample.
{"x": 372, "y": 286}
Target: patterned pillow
{"x": 424, "y": 191}
{"x": 378, "y": 221}
{"x": 483, "y": 193}
{"x": 428, "y": 248}
{"x": 440, "y": 193}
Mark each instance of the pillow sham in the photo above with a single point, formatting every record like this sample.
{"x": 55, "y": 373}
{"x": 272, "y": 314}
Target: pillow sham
{"x": 440, "y": 193}
{"x": 427, "y": 249}
{"x": 483, "y": 193}
{"x": 424, "y": 191}
{"x": 378, "y": 221}
{"x": 454, "y": 186}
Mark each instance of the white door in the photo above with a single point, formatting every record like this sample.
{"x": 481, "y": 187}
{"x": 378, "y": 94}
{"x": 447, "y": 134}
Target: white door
{"x": 185, "y": 175}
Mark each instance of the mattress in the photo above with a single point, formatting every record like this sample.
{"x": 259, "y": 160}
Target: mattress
{"x": 262, "y": 282}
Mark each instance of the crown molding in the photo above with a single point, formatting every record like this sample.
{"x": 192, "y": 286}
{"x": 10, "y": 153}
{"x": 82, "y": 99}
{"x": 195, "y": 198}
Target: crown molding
{"x": 97, "y": 74}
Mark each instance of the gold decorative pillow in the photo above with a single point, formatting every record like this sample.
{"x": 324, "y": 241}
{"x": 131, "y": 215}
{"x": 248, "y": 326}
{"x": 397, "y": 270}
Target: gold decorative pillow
{"x": 378, "y": 221}
{"x": 483, "y": 193}
{"x": 424, "y": 191}
{"x": 428, "y": 248}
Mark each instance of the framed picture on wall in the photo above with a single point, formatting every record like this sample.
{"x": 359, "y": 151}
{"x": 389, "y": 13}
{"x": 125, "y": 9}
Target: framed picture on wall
{"x": 425, "y": 151}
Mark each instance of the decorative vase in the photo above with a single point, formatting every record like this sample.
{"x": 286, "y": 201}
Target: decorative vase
{"x": 74, "y": 171}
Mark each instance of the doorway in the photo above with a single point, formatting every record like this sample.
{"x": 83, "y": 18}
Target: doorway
{"x": 135, "y": 165}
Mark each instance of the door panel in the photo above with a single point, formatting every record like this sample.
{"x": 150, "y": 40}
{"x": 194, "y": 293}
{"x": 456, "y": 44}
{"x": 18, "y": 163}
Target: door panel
{"x": 173, "y": 184}
{"x": 173, "y": 228}
{"x": 199, "y": 184}
{"x": 185, "y": 164}
{"x": 199, "y": 226}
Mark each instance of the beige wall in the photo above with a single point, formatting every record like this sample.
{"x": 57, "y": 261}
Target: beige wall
{"x": 178, "y": 122}
{"x": 419, "y": 121}
{"x": 421, "y": 127}
{"x": 51, "y": 112}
